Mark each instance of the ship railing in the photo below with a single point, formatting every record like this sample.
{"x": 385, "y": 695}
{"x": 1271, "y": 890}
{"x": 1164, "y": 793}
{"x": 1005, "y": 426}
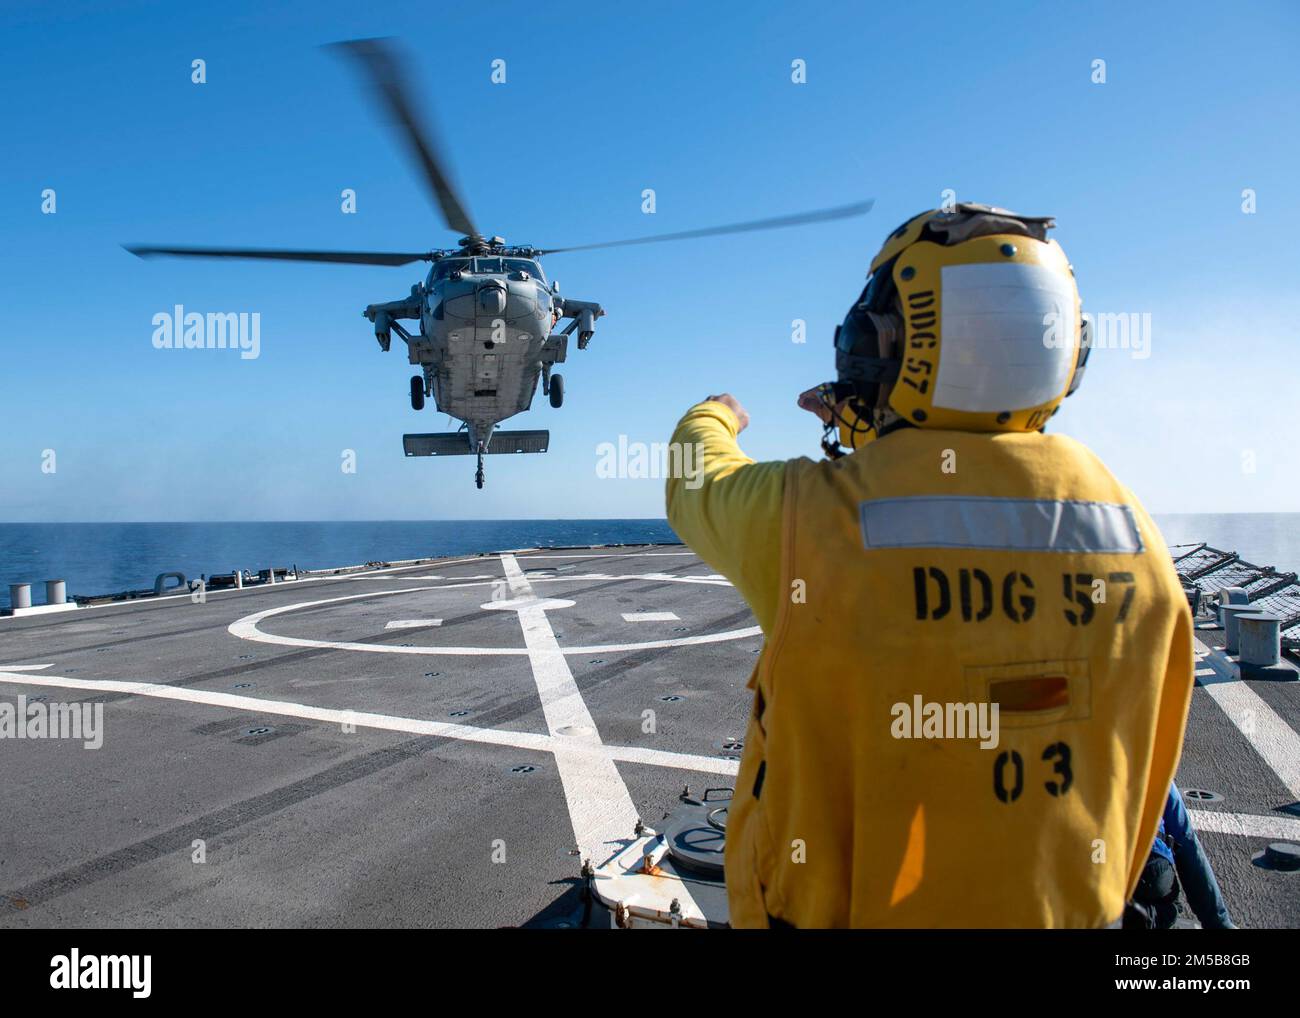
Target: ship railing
{"x": 1213, "y": 559}
{"x": 1184, "y": 551}
{"x": 1270, "y": 584}
{"x": 1234, "y": 574}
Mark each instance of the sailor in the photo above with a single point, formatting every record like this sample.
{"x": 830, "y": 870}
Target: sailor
{"x": 950, "y": 554}
{"x": 1176, "y": 856}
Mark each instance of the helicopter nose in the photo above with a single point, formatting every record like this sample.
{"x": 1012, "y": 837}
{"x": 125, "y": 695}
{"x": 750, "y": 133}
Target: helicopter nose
{"x": 492, "y": 300}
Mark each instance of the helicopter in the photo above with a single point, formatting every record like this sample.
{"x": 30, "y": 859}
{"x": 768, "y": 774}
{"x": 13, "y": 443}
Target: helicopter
{"x": 486, "y": 312}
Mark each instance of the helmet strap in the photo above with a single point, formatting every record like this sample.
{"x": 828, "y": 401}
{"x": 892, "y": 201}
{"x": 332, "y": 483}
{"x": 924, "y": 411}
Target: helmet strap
{"x": 858, "y": 428}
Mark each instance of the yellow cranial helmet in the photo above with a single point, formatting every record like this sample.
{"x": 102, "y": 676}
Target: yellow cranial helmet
{"x": 970, "y": 321}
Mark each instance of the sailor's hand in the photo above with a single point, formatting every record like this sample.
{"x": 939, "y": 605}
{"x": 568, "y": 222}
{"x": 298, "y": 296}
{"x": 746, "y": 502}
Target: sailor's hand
{"x": 814, "y": 402}
{"x": 733, "y": 404}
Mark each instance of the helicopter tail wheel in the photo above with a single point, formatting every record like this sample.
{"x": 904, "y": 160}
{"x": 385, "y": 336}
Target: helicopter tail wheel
{"x": 479, "y": 476}
{"x": 557, "y": 391}
{"x": 417, "y": 392}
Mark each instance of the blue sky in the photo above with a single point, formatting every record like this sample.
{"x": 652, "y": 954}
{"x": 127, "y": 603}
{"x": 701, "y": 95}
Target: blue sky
{"x": 1144, "y": 173}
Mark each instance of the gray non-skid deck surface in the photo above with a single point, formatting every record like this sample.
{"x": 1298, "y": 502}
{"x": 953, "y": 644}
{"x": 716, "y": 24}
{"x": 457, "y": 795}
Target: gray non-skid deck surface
{"x": 306, "y": 823}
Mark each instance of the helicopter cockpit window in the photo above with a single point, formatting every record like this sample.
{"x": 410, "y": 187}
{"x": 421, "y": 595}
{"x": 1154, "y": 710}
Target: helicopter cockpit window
{"x": 533, "y": 269}
{"x": 447, "y": 266}
{"x": 484, "y": 266}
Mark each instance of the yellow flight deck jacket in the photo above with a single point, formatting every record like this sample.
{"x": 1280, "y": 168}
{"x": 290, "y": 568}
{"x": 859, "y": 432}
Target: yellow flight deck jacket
{"x": 905, "y": 590}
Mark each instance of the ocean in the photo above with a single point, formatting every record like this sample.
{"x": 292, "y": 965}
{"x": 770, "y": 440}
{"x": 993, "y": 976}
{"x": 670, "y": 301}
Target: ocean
{"x": 106, "y": 558}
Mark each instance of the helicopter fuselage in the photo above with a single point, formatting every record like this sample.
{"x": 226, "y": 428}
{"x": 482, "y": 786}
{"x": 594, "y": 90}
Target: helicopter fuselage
{"x": 485, "y": 336}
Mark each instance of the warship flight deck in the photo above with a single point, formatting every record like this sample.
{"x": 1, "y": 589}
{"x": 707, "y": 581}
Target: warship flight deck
{"x": 443, "y": 743}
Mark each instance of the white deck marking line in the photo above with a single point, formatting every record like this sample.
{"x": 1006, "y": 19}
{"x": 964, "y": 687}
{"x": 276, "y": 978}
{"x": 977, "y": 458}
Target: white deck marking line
{"x": 665, "y": 758}
{"x": 1272, "y": 738}
{"x": 650, "y": 617}
{"x": 247, "y": 627}
{"x": 600, "y": 807}
{"x": 412, "y": 623}
{"x": 679, "y": 578}
{"x": 1246, "y": 824}
{"x": 12, "y": 675}
{"x": 458, "y": 579}
{"x": 621, "y": 554}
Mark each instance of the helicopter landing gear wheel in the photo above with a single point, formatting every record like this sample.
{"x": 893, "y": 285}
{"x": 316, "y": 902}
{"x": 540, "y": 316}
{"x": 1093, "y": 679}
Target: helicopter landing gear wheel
{"x": 557, "y": 391}
{"x": 478, "y": 474}
{"x": 417, "y": 392}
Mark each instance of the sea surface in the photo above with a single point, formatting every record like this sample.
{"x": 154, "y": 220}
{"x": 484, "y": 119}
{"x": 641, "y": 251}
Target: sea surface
{"x": 107, "y": 558}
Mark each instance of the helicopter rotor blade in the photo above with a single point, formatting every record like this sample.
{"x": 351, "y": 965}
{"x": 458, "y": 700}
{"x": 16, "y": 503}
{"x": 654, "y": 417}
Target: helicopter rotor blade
{"x": 772, "y": 223}
{"x": 275, "y": 254}
{"x": 383, "y": 68}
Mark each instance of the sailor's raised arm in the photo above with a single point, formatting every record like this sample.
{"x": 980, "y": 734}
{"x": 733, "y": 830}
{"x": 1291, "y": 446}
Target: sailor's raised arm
{"x": 726, "y": 507}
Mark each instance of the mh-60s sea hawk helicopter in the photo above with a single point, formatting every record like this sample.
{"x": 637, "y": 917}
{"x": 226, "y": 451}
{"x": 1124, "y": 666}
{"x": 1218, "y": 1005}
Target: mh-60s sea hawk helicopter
{"x": 485, "y": 310}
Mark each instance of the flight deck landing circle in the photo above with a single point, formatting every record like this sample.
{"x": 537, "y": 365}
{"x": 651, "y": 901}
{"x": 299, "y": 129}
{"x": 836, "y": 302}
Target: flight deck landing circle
{"x": 247, "y": 628}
